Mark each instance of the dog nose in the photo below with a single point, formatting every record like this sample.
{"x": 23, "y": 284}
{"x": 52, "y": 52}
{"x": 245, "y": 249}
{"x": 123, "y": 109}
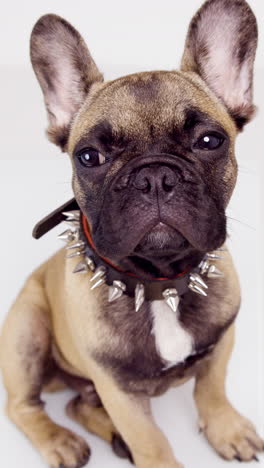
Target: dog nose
{"x": 156, "y": 180}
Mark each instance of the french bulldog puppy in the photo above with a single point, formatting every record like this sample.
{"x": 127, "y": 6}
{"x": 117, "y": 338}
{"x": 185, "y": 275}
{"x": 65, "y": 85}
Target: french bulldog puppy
{"x": 153, "y": 170}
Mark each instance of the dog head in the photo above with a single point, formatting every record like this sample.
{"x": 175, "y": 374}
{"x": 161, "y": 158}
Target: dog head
{"x": 152, "y": 153}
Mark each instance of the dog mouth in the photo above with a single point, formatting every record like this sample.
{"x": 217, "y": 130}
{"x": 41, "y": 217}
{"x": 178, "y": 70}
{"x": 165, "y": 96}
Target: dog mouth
{"x": 161, "y": 252}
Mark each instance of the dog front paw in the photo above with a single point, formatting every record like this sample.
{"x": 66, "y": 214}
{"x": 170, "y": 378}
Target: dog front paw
{"x": 64, "y": 449}
{"x": 232, "y": 435}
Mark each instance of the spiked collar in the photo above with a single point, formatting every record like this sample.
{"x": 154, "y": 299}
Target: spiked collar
{"x": 80, "y": 244}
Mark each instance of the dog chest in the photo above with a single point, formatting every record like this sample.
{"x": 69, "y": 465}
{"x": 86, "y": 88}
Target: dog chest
{"x": 173, "y": 342}
{"x": 147, "y": 350}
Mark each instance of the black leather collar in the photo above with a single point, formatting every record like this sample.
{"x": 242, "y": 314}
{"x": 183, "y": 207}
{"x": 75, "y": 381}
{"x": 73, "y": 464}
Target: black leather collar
{"x": 54, "y": 218}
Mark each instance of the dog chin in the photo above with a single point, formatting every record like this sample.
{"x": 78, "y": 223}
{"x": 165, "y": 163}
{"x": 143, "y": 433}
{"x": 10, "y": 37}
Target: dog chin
{"x": 162, "y": 240}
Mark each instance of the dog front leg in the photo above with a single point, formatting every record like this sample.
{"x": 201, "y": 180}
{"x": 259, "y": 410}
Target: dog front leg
{"x": 24, "y": 353}
{"x": 132, "y": 417}
{"x": 231, "y": 435}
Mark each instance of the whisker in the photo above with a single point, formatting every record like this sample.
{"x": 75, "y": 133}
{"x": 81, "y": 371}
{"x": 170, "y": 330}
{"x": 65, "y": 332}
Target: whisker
{"x": 241, "y": 222}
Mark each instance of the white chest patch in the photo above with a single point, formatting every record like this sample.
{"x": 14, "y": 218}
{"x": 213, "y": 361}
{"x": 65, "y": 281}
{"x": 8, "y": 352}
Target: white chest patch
{"x": 174, "y": 344}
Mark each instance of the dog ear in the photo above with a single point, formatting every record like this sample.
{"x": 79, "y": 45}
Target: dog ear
{"x": 220, "y": 47}
{"x": 65, "y": 71}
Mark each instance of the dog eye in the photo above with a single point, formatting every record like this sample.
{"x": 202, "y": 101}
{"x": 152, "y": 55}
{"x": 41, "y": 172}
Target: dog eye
{"x": 90, "y": 157}
{"x": 209, "y": 142}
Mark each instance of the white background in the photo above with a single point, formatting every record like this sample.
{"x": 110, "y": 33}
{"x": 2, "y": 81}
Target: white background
{"x": 35, "y": 178}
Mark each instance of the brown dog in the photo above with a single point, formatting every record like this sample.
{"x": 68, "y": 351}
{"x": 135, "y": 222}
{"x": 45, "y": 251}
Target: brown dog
{"x": 153, "y": 171}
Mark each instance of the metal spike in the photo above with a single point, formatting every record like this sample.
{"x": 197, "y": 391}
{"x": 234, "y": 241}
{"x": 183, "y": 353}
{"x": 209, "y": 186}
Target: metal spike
{"x": 81, "y": 267}
{"x": 119, "y": 284}
{"x": 99, "y": 272}
{"x": 75, "y": 215}
{"x": 214, "y": 272}
{"x": 76, "y": 245}
{"x": 67, "y": 236}
{"x": 204, "y": 267}
{"x": 139, "y": 296}
{"x": 90, "y": 263}
{"x": 171, "y": 298}
{"x": 114, "y": 293}
{"x": 98, "y": 283}
{"x": 197, "y": 289}
{"x": 195, "y": 278}
{"x": 213, "y": 256}
{"x": 116, "y": 290}
{"x": 75, "y": 254}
